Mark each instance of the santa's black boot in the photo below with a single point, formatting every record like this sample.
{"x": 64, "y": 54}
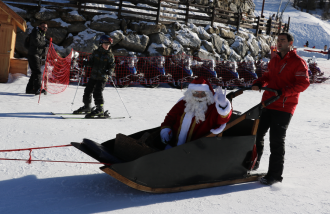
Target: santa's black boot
{"x": 86, "y": 109}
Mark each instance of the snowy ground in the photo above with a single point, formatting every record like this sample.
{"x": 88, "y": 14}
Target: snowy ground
{"x": 43, "y": 187}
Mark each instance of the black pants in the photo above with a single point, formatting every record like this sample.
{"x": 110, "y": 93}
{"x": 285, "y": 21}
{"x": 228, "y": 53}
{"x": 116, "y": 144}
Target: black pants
{"x": 96, "y": 88}
{"x": 35, "y": 79}
{"x": 277, "y": 122}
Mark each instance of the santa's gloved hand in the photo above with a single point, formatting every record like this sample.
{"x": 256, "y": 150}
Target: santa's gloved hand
{"x": 220, "y": 97}
{"x": 166, "y": 135}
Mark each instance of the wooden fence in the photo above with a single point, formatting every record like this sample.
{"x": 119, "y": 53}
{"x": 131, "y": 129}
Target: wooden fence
{"x": 162, "y": 12}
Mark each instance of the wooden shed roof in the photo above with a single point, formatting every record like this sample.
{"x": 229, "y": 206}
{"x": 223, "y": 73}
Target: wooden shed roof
{"x": 21, "y": 23}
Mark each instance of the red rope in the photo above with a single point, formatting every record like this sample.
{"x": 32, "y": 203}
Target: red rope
{"x": 29, "y": 161}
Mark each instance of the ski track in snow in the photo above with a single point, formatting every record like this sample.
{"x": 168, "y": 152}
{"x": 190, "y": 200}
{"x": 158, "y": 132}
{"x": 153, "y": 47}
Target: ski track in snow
{"x": 75, "y": 188}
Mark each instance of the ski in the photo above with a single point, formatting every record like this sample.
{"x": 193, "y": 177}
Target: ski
{"x": 92, "y": 118}
{"x": 65, "y": 114}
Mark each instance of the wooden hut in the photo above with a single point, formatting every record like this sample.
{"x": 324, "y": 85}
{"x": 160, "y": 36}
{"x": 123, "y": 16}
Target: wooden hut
{"x": 9, "y": 21}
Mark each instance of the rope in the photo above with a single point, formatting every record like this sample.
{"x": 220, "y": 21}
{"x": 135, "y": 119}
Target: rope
{"x": 29, "y": 161}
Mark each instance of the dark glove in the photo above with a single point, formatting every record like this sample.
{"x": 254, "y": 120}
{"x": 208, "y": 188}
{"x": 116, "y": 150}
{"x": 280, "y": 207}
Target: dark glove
{"x": 85, "y": 62}
{"x": 279, "y": 92}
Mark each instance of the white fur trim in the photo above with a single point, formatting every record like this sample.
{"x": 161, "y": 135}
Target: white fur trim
{"x": 219, "y": 130}
{"x": 225, "y": 111}
{"x": 199, "y": 87}
{"x": 185, "y": 128}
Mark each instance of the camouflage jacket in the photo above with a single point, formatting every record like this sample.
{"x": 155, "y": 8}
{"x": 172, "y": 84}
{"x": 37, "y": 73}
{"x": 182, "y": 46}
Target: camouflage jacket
{"x": 37, "y": 42}
{"x": 101, "y": 60}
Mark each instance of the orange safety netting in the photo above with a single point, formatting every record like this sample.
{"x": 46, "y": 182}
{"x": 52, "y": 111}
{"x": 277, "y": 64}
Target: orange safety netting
{"x": 177, "y": 70}
{"x": 56, "y": 75}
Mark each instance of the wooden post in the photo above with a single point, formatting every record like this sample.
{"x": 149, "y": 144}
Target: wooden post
{"x": 258, "y": 23}
{"x": 39, "y": 4}
{"x": 120, "y": 8}
{"x": 288, "y": 24}
{"x": 238, "y": 20}
{"x": 79, "y": 6}
{"x": 213, "y": 16}
{"x": 158, "y": 11}
{"x": 187, "y": 12}
{"x": 279, "y": 28}
{"x": 270, "y": 26}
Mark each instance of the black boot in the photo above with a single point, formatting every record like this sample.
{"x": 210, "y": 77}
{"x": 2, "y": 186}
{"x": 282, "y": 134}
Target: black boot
{"x": 98, "y": 112}
{"x": 86, "y": 109}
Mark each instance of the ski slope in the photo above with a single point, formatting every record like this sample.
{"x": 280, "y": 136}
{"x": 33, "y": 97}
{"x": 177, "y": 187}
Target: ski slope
{"x": 303, "y": 26}
{"x": 80, "y": 188}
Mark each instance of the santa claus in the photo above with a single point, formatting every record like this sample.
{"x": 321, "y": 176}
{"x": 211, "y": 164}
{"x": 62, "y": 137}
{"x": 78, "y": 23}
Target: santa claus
{"x": 198, "y": 113}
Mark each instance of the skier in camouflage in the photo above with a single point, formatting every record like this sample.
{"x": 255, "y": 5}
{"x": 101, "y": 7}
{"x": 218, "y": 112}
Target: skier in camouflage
{"x": 102, "y": 62}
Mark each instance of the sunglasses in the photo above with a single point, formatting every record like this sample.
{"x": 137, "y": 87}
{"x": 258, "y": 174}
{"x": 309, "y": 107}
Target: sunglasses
{"x": 44, "y": 27}
{"x": 107, "y": 43}
{"x": 199, "y": 93}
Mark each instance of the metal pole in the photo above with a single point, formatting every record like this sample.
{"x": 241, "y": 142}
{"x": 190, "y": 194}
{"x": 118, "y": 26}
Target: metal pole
{"x": 77, "y": 87}
{"x": 262, "y": 10}
{"x": 119, "y": 95}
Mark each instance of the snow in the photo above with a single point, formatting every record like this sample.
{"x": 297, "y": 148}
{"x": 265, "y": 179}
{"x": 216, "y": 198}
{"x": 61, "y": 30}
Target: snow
{"x": 76, "y": 188}
{"x": 63, "y": 24}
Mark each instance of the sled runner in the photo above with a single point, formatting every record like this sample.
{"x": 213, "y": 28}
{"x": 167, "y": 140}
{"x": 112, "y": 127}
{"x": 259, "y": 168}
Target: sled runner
{"x": 213, "y": 160}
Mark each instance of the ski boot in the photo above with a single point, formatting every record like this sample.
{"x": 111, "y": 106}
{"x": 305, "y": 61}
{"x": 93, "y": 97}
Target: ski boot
{"x": 98, "y": 112}
{"x": 86, "y": 109}
{"x": 43, "y": 91}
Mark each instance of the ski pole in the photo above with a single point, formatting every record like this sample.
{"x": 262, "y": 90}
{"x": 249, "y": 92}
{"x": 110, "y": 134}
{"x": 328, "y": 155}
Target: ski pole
{"x": 79, "y": 78}
{"x": 119, "y": 95}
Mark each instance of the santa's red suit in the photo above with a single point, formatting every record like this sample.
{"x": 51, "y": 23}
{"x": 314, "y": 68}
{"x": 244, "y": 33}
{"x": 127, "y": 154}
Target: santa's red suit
{"x": 183, "y": 124}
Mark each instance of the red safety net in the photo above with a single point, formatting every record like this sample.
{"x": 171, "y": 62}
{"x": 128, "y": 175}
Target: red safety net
{"x": 176, "y": 70}
{"x": 57, "y": 71}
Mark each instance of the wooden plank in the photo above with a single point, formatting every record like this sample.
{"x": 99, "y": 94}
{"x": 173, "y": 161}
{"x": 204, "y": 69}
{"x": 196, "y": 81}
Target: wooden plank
{"x": 229, "y": 125}
{"x": 143, "y": 188}
{"x": 18, "y": 66}
{"x": 255, "y": 127}
{"x": 58, "y": 4}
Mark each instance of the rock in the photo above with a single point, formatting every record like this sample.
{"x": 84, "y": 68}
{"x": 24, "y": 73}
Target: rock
{"x": 146, "y": 29}
{"x": 227, "y": 34}
{"x": 253, "y": 46}
{"x": 76, "y": 27}
{"x": 230, "y": 41}
{"x": 120, "y": 52}
{"x": 208, "y": 46}
{"x": 202, "y": 54}
{"x": 212, "y": 30}
{"x": 72, "y": 16}
{"x": 240, "y": 46}
{"x": 117, "y": 36}
{"x": 57, "y": 34}
{"x": 159, "y": 49}
{"x": 105, "y": 26}
{"x": 132, "y": 42}
{"x": 220, "y": 44}
{"x": 202, "y": 34}
{"x": 45, "y": 15}
{"x": 233, "y": 56}
{"x": 188, "y": 39}
{"x": 159, "y": 38}
{"x": 54, "y": 23}
{"x": 233, "y": 7}
{"x": 67, "y": 41}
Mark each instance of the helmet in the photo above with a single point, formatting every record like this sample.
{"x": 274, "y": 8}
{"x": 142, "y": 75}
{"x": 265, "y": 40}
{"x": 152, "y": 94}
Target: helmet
{"x": 105, "y": 39}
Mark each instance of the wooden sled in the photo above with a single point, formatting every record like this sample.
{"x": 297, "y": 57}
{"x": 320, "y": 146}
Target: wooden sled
{"x": 214, "y": 160}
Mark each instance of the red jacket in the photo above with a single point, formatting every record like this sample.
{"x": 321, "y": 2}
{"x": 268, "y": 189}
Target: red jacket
{"x": 174, "y": 120}
{"x": 290, "y": 75}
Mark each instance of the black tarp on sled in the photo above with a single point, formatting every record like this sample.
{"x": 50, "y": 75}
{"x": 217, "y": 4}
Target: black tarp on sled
{"x": 213, "y": 160}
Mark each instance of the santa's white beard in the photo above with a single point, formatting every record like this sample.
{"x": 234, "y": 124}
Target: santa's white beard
{"x": 197, "y": 106}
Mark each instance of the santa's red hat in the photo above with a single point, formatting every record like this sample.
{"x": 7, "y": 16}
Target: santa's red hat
{"x": 200, "y": 84}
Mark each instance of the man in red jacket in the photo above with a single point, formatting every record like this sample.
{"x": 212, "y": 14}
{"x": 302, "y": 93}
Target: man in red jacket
{"x": 288, "y": 74}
